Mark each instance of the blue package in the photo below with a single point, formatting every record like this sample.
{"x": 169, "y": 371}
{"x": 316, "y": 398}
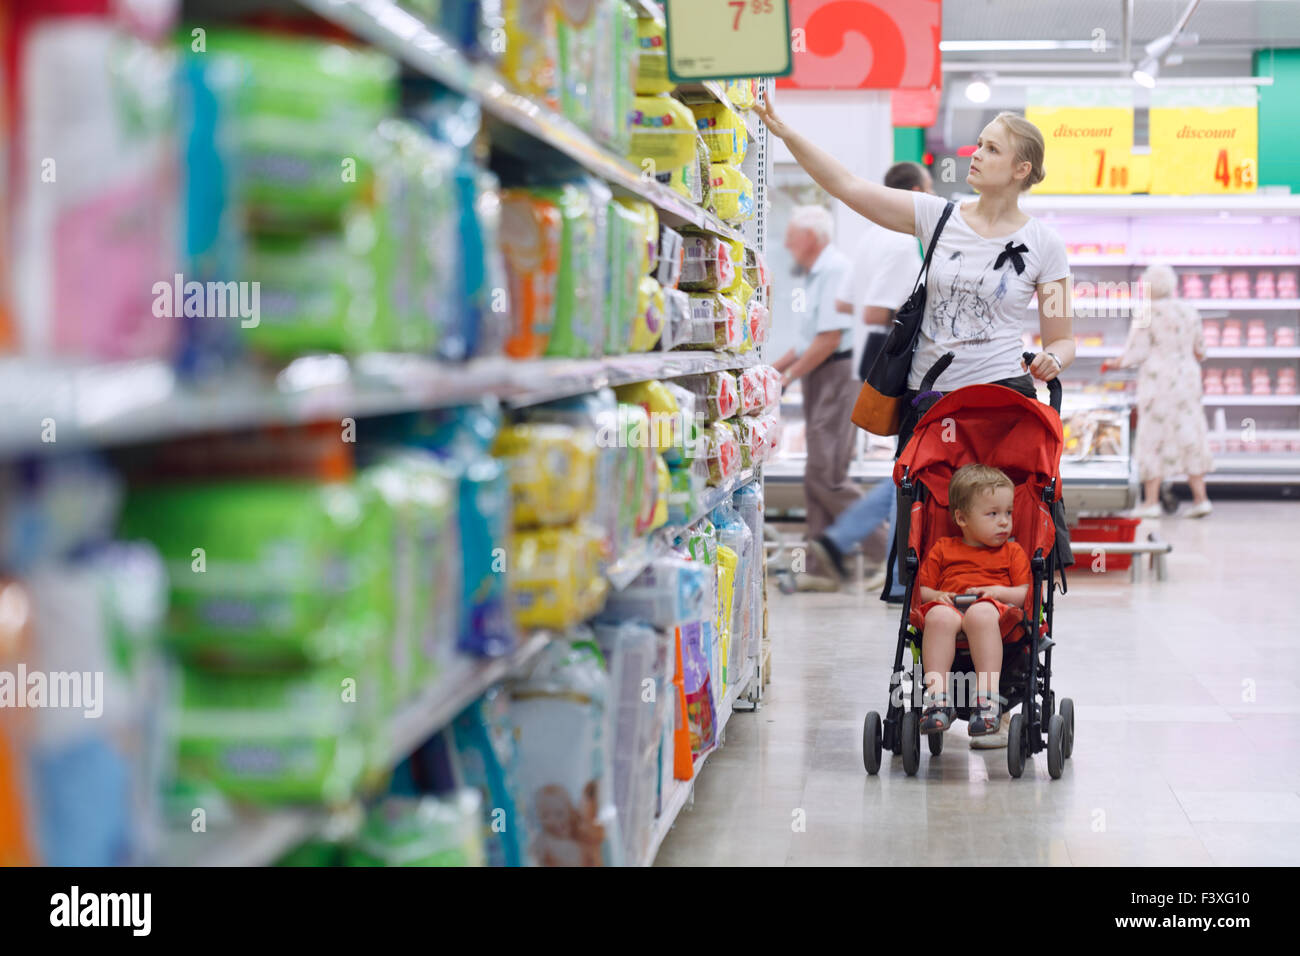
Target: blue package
{"x": 82, "y": 792}
{"x": 486, "y": 759}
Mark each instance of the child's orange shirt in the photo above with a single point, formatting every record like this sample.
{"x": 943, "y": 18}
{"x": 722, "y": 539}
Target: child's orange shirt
{"x": 953, "y": 565}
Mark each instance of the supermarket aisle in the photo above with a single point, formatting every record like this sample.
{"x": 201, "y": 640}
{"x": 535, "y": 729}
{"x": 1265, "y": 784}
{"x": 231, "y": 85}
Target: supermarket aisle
{"x": 1175, "y": 764}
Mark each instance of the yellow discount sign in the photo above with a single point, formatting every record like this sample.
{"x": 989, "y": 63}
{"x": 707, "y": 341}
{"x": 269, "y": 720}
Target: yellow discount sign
{"x": 1089, "y": 138}
{"x": 1204, "y": 140}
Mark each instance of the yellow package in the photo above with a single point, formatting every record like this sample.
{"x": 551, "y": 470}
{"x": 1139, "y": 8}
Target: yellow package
{"x": 652, "y": 66}
{"x": 648, "y": 223}
{"x": 666, "y": 429}
{"x": 551, "y": 469}
{"x": 663, "y": 134}
{"x": 665, "y": 480}
{"x": 723, "y": 130}
{"x": 742, "y": 93}
{"x": 742, "y": 292}
{"x": 555, "y": 579}
{"x": 736, "y": 247}
{"x": 727, "y": 561}
{"x": 531, "y": 59}
{"x": 648, "y": 323}
{"x": 733, "y": 193}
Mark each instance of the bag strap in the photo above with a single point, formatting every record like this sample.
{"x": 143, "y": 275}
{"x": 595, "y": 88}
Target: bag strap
{"x": 934, "y": 241}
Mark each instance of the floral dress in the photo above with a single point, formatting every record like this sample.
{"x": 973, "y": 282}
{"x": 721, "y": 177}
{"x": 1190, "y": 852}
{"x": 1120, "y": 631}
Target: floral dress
{"x": 1172, "y": 438}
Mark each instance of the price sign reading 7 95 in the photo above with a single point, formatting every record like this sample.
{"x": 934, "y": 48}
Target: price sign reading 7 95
{"x": 728, "y": 39}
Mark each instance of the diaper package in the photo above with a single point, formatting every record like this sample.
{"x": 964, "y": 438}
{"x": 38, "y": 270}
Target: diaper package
{"x": 667, "y": 431}
{"x": 668, "y": 592}
{"x": 578, "y": 329}
{"x": 758, "y": 321}
{"x": 733, "y": 194}
{"x": 563, "y": 719}
{"x": 728, "y": 568}
{"x": 625, "y": 258}
{"x": 421, "y": 831}
{"x": 579, "y": 37}
{"x": 551, "y": 470}
{"x": 697, "y": 658}
{"x": 749, "y": 505}
{"x": 686, "y": 485}
{"x": 648, "y": 322}
{"x": 742, "y": 93}
{"x": 531, "y": 60}
{"x": 723, "y": 130}
{"x": 663, "y": 134}
{"x": 487, "y": 760}
{"x": 555, "y": 575}
{"x": 734, "y": 608}
{"x": 532, "y": 233}
{"x": 707, "y": 263}
{"x": 652, "y": 64}
{"x": 755, "y": 386}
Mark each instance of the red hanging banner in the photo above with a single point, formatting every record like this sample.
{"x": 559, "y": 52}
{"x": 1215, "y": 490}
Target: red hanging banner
{"x": 864, "y": 44}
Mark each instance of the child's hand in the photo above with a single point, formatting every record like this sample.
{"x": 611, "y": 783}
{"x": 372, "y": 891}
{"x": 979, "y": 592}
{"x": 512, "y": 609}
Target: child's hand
{"x": 946, "y": 598}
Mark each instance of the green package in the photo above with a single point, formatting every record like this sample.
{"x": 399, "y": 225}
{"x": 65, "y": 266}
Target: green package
{"x": 305, "y": 289}
{"x": 626, "y": 237}
{"x": 267, "y": 574}
{"x": 579, "y": 50}
{"x": 627, "y": 59}
{"x": 297, "y": 737}
{"x": 422, "y": 831}
{"x": 578, "y": 328}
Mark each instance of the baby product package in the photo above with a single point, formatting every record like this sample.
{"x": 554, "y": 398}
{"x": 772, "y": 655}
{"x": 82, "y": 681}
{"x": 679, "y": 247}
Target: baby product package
{"x": 578, "y": 329}
{"x": 723, "y": 130}
{"x": 679, "y": 327}
{"x": 670, "y": 591}
{"x": 648, "y": 321}
{"x": 422, "y": 831}
{"x": 671, "y": 258}
{"x": 723, "y": 453}
{"x": 701, "y": 715}
{"x": 552, "y": 471}
{"x": 652, "y": 64}
{"x": 717, "y": 321}
{"x": 626, "y": 50}
{"x": 667, "y": 428}
{"x": 749, "y": 504}
{"x": 579, "y": 40}
{"x": 728, "y": 565}
{"x": 531, "y": 59}
{"x": 663, "y": 134}
{"x": 532, "y": 231}
{"x": 563, "y": 719}
{"x": 734, "y": 533}
{"x": 687, "y": 427}
{"x": 754, "y": 389}
{"x": 733, "y": 193}
{"x": 716, "y": 393}
{"x": 488, "y": 761}
{"x": 707, "y": 263}
{"x": 555, "y": 576}
{"x": 686, "y": 486}
{"x": 647, "y": 218}
{"x": 626, "y": 255}
{"x": 742, "y": 93}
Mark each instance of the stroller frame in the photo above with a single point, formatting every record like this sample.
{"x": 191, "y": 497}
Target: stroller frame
{"x": 1022, "y": 681}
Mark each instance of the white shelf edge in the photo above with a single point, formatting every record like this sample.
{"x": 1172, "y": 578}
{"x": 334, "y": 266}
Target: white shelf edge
{"x": 1251, "y": 400}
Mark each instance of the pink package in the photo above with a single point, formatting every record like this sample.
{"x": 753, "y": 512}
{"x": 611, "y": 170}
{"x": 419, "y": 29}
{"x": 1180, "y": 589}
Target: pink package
{"x": 95, "y": 198}
{"x": 753, "y": 391}
{"x": 1284, "y": 336}
{"x": 1210, "y": 329}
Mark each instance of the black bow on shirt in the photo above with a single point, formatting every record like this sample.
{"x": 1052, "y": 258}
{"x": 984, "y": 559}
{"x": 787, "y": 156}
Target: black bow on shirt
{"x": 1012, "y": 252}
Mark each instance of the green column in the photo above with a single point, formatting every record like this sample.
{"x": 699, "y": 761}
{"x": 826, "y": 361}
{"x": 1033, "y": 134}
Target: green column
{"x": 1279, "y": 118}
{"x": 909, "y": 143}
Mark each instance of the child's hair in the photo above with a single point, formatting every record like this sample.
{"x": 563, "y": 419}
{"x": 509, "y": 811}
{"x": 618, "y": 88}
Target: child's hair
{"x": 970, "y": 481}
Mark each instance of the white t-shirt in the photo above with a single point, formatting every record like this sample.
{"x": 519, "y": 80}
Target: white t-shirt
{"x": 884, "y": 267}
{"x": 972, "y": 309}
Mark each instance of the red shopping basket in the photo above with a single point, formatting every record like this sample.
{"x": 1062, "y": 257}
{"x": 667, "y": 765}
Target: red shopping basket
{"x": 1090, "y": 530}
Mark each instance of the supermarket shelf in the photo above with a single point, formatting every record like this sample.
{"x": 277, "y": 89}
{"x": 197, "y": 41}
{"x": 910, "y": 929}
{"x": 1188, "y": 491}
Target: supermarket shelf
{"x": 1257, "y": 463}
{"x": 1245, "y": 305}
{"x": 1252, "y": 400}
{"x": 1218, "y": 352}
{"x": 1185, "y": 260}
{"x": 123, "y": 402}
{"x": 389, "y": 27}
{"x": 682, "y": 789}
{"x": 645, "y": 549}
{"x": 1252, "y": 204}
{"x": 260, "y": 838}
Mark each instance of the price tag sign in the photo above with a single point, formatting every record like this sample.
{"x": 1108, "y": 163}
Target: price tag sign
{"x": 1204, "y": 140}
{"x": 727, "y": 39}
{"x": 1089, "y": 138}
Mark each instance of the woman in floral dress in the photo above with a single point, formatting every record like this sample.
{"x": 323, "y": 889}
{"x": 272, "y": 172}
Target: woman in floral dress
{"x": 1171, "y": 438}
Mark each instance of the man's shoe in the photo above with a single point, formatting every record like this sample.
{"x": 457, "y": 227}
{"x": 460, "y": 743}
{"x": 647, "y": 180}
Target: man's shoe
{"x": 877, "y": 580}
{"x": 828, "y": 556}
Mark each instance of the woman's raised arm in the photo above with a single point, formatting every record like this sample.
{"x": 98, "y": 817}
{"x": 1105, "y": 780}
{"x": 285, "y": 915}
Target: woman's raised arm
{"x": 890, "y": 208}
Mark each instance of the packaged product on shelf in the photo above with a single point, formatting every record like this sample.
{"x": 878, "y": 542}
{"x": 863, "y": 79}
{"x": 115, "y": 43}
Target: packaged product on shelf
{"x": 579, "y": 36}
{"x": 663, "y": 134}
{"x": 648, "y": 230}
{"x": 652, "y": 64}
{"x": 717, "y": 321}
{"x": 742, "y": 93}
{"x": 288, "y": 572}
{"x": 669, "y": 591}
{"x": 561, "y": 712}
{"x": 706, "y": 263}
{"x": 626, "y": 59}
{"x": 733, "y": 194}
{"x": 686, "y": 432}
{"x": 421, "y": 831}
{"x": 750, "y": 506}
{"x": 679, "y": 325}
{"x": 723, "y": 453}
{"x": 91, "y": 103}
{"x": 551, "y": 470}
{"x": 671, "y": 258}
{"x": 728, "y": 569}
{"x": 487, "y": 760}
{"x": 648, "y": 323}
{"x": 532, "y": 230}
{"x": 530, "y": 62}
{"x": 755, "y": 273}
{"x": 723, "y": 130}
{"x": 734, "y": 533}
{"x": 697, "y": 659}
{"x": 626, "y": 255}
{"x": 687, "y": 180}
{"x": 745, "y": 436}
{"x": 635, "y": 653}
{"x": 666, "y": 427}
{"x": 687, "y": 483}
{"x": 289, "y": 737}
{"x": 700, "y": 542}
{"x": 614, "y": 78}
{"x": 90, "y": 762}
{"x": 716, "y": 393}
{"x": 492, "y": 305}
{"x": 637, "y": 484}
{"x": 555, "y": 577}
{"x": 758, "y": 321}
{"x": 578, "y": 329}
{"x": 753, "y": 385}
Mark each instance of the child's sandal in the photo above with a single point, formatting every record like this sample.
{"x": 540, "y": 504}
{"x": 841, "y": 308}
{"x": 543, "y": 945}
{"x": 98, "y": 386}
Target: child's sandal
{"x": 986, "y": 715}
{"x": 937, "y": 716}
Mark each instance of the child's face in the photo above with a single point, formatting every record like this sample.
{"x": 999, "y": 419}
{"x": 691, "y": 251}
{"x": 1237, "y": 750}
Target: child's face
{"x": 988, "y": 519}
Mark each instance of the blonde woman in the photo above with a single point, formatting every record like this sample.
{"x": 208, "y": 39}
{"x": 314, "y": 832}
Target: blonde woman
{"x": 990, "y": 261}
{"x": 1172, "y": 438}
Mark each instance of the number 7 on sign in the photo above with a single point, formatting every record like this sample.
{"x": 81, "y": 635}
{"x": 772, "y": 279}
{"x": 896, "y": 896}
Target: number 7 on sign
{"x": 758, "y": 6}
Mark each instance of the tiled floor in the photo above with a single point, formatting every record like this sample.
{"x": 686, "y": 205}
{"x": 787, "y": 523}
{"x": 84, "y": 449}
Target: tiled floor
{"x": 1187, "y": 749}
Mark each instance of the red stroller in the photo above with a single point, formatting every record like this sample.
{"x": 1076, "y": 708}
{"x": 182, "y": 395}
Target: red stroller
{"x": 997, "y": 426}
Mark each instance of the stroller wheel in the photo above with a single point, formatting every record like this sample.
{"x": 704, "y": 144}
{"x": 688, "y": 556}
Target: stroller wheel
{"x": 936, "y": 744}
{"x": 1056, "y": 734}
{"x": 871, "y": 743}
{"x": 911, "y": 734}
{"x": 1016, "y": 746}
{"x": 1067, "y": 712}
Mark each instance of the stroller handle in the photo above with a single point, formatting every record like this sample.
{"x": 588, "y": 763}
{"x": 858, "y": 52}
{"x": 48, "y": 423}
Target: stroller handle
{"x": 1053, "y": 387}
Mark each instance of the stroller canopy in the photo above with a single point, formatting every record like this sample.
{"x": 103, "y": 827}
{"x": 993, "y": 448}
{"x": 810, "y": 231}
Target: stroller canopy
{"x": 989, "y": 425}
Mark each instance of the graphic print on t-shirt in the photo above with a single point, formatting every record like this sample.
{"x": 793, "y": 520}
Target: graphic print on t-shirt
{"x": 964, "y": 312}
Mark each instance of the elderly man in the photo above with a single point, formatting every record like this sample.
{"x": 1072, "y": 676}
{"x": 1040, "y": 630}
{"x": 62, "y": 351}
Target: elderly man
{"x": 821, "y": 357}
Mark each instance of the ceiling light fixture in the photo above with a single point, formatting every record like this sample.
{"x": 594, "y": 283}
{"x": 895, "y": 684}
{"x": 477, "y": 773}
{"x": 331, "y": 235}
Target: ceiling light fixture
{"x": 978, "y": 89}
{"x": 1145, "y": 73}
